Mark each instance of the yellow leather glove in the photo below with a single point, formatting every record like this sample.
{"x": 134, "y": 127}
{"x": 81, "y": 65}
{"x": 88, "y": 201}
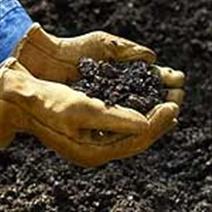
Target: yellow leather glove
{"x": 80, "y": 128}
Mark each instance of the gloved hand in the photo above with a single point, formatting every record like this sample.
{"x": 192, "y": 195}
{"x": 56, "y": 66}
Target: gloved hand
{"x": 80, "y": 128}
{"x": 52, "y": 58}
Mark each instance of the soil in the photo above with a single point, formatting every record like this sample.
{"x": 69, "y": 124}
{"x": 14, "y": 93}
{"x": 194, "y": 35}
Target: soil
{"x": 175, "y": 174}
{"x": 129, "y": 84}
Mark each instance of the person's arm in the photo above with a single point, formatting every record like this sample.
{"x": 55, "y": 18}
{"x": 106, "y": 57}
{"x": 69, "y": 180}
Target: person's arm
{"x": 14, "y": 23}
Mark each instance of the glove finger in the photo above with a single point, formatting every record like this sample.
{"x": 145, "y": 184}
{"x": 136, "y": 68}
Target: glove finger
{"x": 104, "y": 46}
{"x": 96, "y": 115}
{"x": 175, "y": 95}
{"x": 161, "y": 119}
{"x": 83, "y": 154}
{"x": 170, "y": 77}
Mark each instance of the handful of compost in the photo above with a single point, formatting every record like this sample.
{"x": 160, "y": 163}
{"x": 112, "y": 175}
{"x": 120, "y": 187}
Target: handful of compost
{"x": 90, "y": 129}
{"x": 130, "y": 84}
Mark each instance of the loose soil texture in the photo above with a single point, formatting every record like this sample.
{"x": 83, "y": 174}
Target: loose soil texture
{"x": 129, "y": 84}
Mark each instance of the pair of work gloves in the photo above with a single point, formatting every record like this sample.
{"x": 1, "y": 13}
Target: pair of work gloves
{"x": 35, "y": 99}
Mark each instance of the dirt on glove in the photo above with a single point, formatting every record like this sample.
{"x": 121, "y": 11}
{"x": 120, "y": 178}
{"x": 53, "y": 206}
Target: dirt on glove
{"x": 174, "y": 175}
{"x": 129, "y": 84}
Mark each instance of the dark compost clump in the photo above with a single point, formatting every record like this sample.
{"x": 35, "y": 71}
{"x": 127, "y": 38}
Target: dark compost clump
{"x": 130, "y": 84}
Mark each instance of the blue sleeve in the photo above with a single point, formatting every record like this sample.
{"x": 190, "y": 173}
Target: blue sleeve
{"x": 14, "y": 23}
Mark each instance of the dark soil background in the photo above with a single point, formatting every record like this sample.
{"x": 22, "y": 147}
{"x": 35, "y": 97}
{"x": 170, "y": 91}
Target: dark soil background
{"x": 175, "y": 174}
